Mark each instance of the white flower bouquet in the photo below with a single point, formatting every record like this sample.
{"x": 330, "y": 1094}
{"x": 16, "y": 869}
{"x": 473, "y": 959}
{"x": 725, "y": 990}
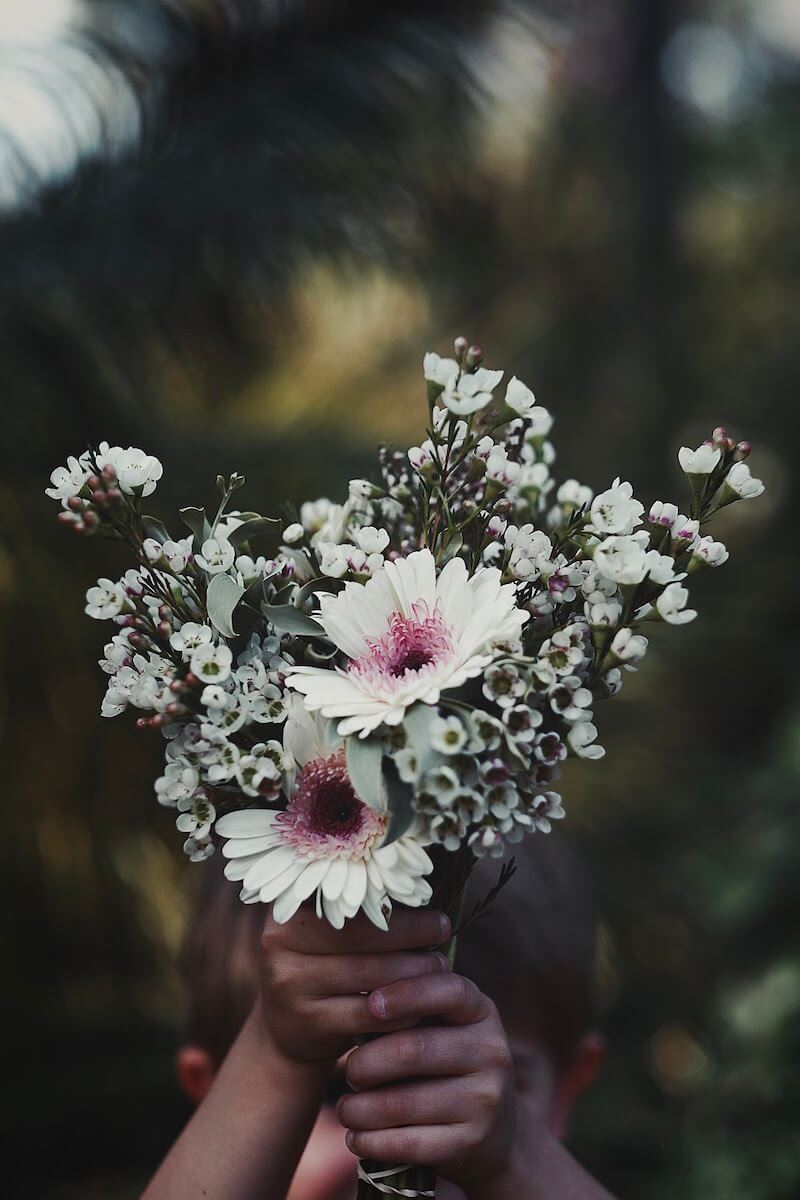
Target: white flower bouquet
{"x": 394, "y": 693}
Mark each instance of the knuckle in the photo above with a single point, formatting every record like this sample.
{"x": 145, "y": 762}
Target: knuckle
{"x": 418, "y": 1048}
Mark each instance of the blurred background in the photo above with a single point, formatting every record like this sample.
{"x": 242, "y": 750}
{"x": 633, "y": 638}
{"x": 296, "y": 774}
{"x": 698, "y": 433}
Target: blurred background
{"x": 229, "y": 229}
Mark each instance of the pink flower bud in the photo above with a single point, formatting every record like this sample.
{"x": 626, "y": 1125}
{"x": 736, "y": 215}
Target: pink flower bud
{"x": 93, "y": 483}
{"x": 109, "y": 473}
{"x": 143, "y": 723}
{"x": 502, "y": 506}
{"x": 460, "y": 346}
{"x": 164, "y": 629}
{"x": 114, "y": 496}
{"x": 65, "y": 518}
{"x": 474, "y": 356}
{"x": 76, "y": 504}
{"x": 719, "y": 436}
{"x": 191, "y": 680}
{"x": 743, "y": 451}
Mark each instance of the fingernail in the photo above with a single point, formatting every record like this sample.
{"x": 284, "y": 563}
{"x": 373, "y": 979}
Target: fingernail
{"x": 348, "y": 1137}
{"x": 444, "y": 926}
{"x": 377, "y": 1002}
{"x": 444, "y": 965}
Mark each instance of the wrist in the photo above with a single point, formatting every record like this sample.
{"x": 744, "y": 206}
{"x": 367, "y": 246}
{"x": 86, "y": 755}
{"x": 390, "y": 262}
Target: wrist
{"x": 282, "y": 1065}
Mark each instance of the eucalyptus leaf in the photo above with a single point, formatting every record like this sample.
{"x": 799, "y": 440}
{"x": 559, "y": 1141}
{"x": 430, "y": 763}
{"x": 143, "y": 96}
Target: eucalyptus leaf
{"x": 288, "y": 619}
{"x": 250, "y": 529}
{"x": 399, "y": 796}
{"x": 363, "y": 756}
{"x": 196, "y": 520}
{"x": 417, "y": 724}
{"x": 323, "y": 584}
{"x": 222, "y": 597}
{"x": 155, "y": 529}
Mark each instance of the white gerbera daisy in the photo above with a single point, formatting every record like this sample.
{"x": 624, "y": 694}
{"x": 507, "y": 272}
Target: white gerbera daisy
{"x": 408, "y": 636}
{"x": 326, "y": 841}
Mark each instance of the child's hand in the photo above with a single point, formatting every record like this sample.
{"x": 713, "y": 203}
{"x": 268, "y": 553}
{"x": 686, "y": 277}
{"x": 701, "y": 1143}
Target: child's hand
{"x": 440, "y": 1095}
{"x": 315, "y": 979}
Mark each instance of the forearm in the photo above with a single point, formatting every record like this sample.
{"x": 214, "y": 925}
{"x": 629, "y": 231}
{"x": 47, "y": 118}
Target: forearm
{"x": 548, "y": 1173}
{"x": 246, "y": 1138}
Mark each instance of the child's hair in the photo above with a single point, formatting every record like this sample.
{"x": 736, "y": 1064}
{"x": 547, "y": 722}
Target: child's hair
{"x": 532, "y": 953}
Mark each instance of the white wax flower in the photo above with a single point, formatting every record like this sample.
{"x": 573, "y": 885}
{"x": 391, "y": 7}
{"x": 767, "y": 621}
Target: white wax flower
{"x": 293, "y": 534}
{"x": 105, "y": 600}
{"x": 701, "y": 461}
{"x": 216, "y": 555}
{"x": 67, "y": 481}
{"x": 439, "y": 370}
{"x": 469, "y": 392}
{"x": 671, "y": 605}
{"x": 621, "y": 559}
{"x": 740, "y": 484}
{"x": 615, "y": 510}
{"x": 211, "y": 663}
{"x": 708, "y": 553}
{"x": 372, "y": 540}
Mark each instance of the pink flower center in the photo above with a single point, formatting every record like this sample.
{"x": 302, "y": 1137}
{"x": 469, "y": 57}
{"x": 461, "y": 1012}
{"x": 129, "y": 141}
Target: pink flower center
{"x": 325, "y": 815}
{"x": 411, "y": 644}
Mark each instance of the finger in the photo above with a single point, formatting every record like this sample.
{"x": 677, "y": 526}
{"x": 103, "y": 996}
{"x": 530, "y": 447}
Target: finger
{"x": 427, "y": 1051}
{"x": 432, "y": 1102}
{"x": 349, "y": 1017}
{"x": 426, "y": 1145}
{"x": 450, "y": 996}
{"x": 345, "y": 974}
{"x": 409, "y": 929}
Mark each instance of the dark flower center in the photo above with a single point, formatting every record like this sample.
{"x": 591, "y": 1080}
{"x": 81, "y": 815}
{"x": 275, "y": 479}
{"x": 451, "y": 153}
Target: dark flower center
{"x": 336, "y": 809}
{"x": 412, "y": 660}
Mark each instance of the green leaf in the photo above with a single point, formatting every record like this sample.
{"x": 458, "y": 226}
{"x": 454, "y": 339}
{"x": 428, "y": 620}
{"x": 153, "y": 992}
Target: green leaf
{"x": 251, "y": 529}
{"x": 400, "y": 796}
{"x": 363, "y": 756}
{"x": 196, "y": 520}
{"x": 288, "y": 619}
{"x": 323, "y": 584}
{"x": 417, "y": 724}
{"x": 222, "y": 597}
{"x": 154, "y": 528}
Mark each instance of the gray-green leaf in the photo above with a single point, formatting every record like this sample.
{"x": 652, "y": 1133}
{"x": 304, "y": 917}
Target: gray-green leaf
{"x": 400, "y": 796}
{"x": 250, "y": 529}
{"x": 196, "y": 520}
{"x": 288, "y": 619}
{"x": 363, "y": 756}
{"x": 222, "y": 597}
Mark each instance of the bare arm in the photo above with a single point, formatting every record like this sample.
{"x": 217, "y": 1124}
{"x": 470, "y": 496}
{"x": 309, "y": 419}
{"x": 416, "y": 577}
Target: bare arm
{"x": 246, "y": 1138}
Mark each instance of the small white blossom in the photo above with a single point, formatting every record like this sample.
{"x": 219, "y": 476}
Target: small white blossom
{"x": 581, "y": 740}
{"x": 448, "y": 735}
{"x": 372, "y": 540}
{"x": 684, "y": 529}
{"x": 603, "y": 614}
{"x": 468, "y": 393}
{"x": 177, "y": 554}
{"x": 439, "y": 370}
{"x": 210, "y": 663}
{"x": 701, "y": 461}
{"x": 522, "y": 401}
{"x": 573, "y": 494}
{"x": 198, "y": 849}
{"x": 196, "y": 816}
{"x": 662, "y": 512}
{"x": 629, "y": 647}
{"x": 708, "y": 553}
{"x": 293, "y": 534}
{"x": 106, "y": 600}
{"x": 740, "y": 484}
{"x": 615, "y": 511}
{"x": 621, "y": 559}
{"x": 190, "y": 635}
{"x": 671, "y": 605}
{"x": 136, "y": 471}
{"x": 661, "y": 568}
{"x": 217, "y": 555}
{"x": 67, "y": 481}
{"x": 333, "y": 559}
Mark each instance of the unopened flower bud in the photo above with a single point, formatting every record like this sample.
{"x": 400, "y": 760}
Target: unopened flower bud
{"x": 460, "y": 345}
{"x": 76, "y": 504}
{"x": 114, "y": 496}
{"x": 164, "y": 629}
{"x": 91, "y": 520}
{"x": 177, "y": 686}
{"x": 474, "y": 356}
{"x": 719, "y": 436}
{"x": 176, "y": 710}
{"x": 79, "y": 527}
{"x": 743, "y": 451}
{"x": 66, "y": 518}
{"x": 191, "y": 680}
{"x": 109, "y": 473}
{"x": 143, "y": 723}
{"x": 93, "y": 483}
{"x": 138, "y": 641}
{"x": 100, "y": 499}
{"x": 502, "y": 506}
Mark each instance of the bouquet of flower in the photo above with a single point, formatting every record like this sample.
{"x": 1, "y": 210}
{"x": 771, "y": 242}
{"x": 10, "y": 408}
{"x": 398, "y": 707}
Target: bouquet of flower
{"x": 394, "y": 692}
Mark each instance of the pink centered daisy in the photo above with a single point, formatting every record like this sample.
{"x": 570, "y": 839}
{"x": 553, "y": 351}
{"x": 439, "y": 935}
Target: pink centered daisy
{"x": 326, "y": 841}
{"x": 408, "y": 636}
